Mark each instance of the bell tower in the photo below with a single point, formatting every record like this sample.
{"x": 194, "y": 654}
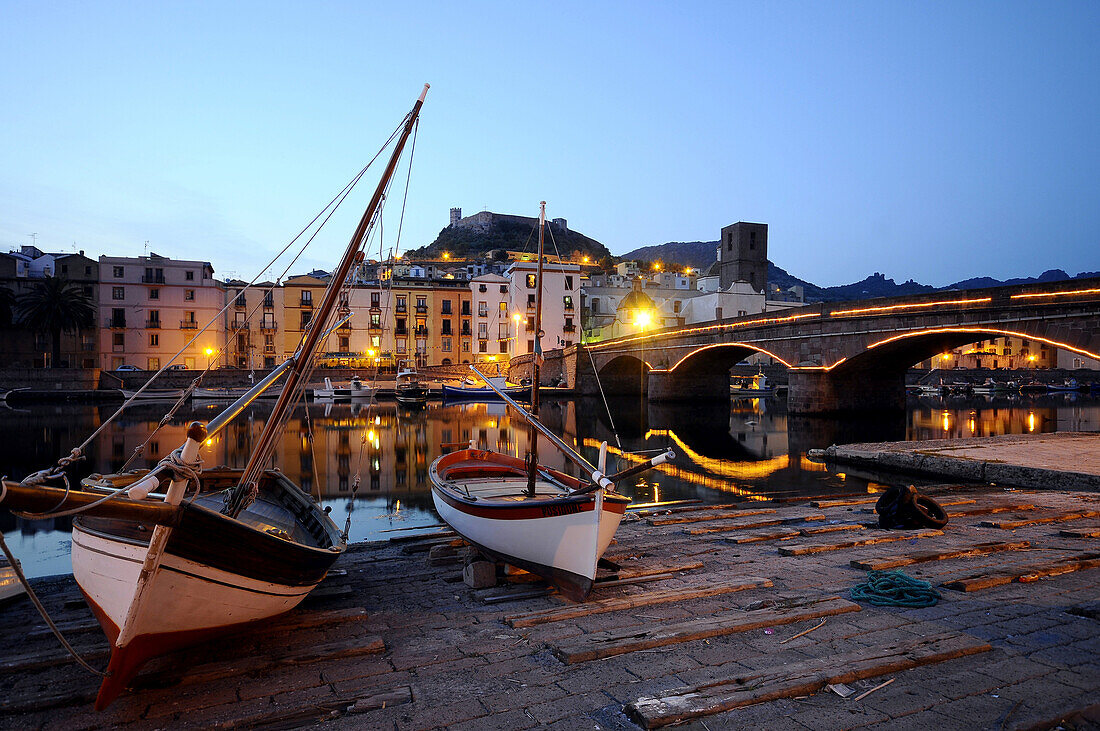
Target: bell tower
{"x": 743, "y": 255}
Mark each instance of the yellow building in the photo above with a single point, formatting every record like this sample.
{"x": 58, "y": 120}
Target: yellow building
{"x": 1010, "y": 353}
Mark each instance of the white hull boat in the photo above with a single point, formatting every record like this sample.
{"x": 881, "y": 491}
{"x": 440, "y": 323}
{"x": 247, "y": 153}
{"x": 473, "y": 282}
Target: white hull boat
{"x": 356, "y": 390}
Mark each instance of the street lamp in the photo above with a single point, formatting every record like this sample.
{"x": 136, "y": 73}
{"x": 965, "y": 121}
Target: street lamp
{"x": 209, "y": 352}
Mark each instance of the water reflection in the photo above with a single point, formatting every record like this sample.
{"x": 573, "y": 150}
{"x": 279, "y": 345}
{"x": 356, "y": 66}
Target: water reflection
{"x": 371, "y": 461}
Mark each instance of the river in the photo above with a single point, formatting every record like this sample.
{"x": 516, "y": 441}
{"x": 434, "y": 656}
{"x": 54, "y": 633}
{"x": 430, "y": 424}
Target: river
{"x": 744, "y": 448}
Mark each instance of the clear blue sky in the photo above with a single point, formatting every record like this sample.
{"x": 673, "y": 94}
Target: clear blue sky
{"x": 937, "y": 141}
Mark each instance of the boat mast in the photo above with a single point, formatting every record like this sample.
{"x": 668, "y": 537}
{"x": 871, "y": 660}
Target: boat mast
{"x": 244, "y": 492}
{"x": 533, "y": 435}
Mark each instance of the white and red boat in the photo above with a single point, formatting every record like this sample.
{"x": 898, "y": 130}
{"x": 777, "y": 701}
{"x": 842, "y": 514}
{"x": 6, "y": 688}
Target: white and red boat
{"x": 526, "y": 514}
{"x": 161, "y": 572}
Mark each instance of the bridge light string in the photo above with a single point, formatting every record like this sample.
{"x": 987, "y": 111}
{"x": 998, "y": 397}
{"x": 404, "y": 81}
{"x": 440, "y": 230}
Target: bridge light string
{"x": 1034, "y": 295}
{"x": 728, "y": 345}
{"x": 913, "y": 306}
{"x": 968, "y": 330}
{"x": 705, "y": 328}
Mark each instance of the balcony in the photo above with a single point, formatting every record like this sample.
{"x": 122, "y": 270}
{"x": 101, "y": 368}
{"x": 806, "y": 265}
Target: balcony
{"x": 306, "y": 304}
{"x": 401, "y": 308}
{"x": 119, "y": 322}
{"x": 240, "y": 304}
{"x": 400, "y": 331}
{"x": 240, "y": 325}
{"x": 421, "y": 332}
{"x": 189, "y": 325}
{"x": 374, "y": 326}
{"x": 569, "y": 329}
{"x": 421, "y": 309}
{"x": 466, "y": 331}
{"x": 152, "y": 324}
{"x": 153, "y": 280}
{"x": 269, "y": 326}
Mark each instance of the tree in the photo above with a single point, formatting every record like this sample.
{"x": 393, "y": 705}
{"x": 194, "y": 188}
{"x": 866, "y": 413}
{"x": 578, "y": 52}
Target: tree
{"x": 55, "y": 305}
{"x": 7, "y": 304}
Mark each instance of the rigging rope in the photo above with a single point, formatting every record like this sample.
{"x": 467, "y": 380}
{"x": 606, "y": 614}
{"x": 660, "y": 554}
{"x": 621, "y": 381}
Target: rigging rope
{"x": 895, "y": 589}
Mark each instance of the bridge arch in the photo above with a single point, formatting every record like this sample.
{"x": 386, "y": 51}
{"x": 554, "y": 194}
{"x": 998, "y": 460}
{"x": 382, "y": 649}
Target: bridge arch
{"x": 900, "y": 352}
{"x": 718, "y": 359}
{"x": 625, "y": 375}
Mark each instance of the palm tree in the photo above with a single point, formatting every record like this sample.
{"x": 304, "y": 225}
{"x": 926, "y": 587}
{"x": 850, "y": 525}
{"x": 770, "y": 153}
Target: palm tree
{"x": 55, "y": 305}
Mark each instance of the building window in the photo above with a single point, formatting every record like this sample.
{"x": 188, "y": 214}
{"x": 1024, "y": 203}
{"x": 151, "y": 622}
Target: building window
{"x": 375, "y": 299}
{"x": 118, "y": 293}
{"x": 569, "y": 281}
{"x": 189, "y": 276}
{"x": 189, "y": 294}
{"x": 504, "y": 289}
{"x": 446, "y": 327}
{"x": 482, "y": 346}
{"x": 401, "y": 346}
{"x": 482, "y": 330}
{"x": 530, "y": 346}
{"x": 482, "y": 309}
{"x": 465, "y": 346}
{"x": 118, "y": 341}
{"x": 375, "y": 321}
{"x": 530, "y": 323}
{"x": 446, "y": 345}
{"x": 154, "y": 364}
{"x": 154, "y": 339}
{"x": 376, "y": 341}
{"x": 503, "y": 310}
{"x": 306, "y": 318}
{"x": 530, "y": 281}
{"x": 421, "y": 304}
{"x": 344, "y": 344}
{"x": 306, "y": 298}
{"x": 119, "y": 272}
{"x": 154, "y": 293}
{"x": 465, "y": 327}
{"x": 530, "y": 300}
{"x": 402, "y": 303}
{"x": 399, "y": 328}
{"x": 595, "y": 305}
{"x": 568, "y": 301}
{"x": 445, "y": 308}
{"x": 503, "y": 345}
{"x": 676, "y": 305}
{"x": 269, "y": 298}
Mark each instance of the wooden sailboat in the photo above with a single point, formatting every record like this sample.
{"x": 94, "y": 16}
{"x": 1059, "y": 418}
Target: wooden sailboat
{"x": 527, "y": 514}
{"x": 161, "y": 572}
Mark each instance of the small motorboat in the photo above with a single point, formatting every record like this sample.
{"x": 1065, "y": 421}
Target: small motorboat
{"x": 989, "y": 386}
{"x": 470, "y": 390}
{"x": 1070, "y": 384}
{"x": 356, "y": 390}
{"x": 756, "y": 386}
{"x": 152, "y": 394}
{"x": 409, "y": 390}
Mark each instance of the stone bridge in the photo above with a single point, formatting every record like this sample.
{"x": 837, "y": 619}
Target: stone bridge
{"x": 840, "y": 356}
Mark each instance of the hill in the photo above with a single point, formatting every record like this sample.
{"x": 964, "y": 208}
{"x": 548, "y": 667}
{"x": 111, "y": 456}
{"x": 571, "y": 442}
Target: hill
{"x": 471, "y": 241}
{"x": 701, "y": 254}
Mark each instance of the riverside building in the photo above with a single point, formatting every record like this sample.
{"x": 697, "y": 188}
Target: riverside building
{"x": 151, "y": 306}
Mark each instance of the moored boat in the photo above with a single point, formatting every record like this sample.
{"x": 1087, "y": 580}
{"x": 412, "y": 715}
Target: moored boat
{"x": 757, "y": 385}
{"x": 355, "y": 390}
{"x": 469, "y": 390}
{"x": 161, "y": 572}
{"x": 409, "y": 390}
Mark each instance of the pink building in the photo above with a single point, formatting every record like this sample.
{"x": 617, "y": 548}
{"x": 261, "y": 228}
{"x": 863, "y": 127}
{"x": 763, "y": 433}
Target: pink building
{"x": 150, "y": 306}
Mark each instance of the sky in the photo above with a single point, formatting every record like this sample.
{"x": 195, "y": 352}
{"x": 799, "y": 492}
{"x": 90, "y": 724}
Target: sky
{"x": 936, "y": 140}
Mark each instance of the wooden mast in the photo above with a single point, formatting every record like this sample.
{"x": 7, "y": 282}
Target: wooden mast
{"x": 266, "y": 442}
{"x": 533, "y": 435}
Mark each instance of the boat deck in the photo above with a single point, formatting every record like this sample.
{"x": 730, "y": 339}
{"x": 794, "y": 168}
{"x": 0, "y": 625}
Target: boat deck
{"x": 733, "y": 616}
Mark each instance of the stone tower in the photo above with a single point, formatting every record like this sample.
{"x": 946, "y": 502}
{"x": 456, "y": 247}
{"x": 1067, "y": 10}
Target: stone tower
{"x": 743, "y": 255}
{"x": 456, "y": 216}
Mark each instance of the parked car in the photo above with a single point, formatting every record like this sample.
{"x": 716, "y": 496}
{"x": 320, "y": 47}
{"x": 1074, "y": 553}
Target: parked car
{"x": 127, "y": 367}
{"x": 177, "y": 367}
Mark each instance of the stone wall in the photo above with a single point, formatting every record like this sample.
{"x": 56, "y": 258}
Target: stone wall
{"x": 49, "y": 379}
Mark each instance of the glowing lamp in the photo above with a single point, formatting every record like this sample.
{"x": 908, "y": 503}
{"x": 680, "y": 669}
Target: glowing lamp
{"x": 209, "y": 352}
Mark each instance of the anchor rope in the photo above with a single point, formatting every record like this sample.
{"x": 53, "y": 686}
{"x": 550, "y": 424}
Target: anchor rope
{"x": 895, "y": 589}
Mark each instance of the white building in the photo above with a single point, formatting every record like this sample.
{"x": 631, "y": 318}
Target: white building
{"x": 150, "y": 306}
{"x": 561, "y": 304}
{"x": 493, "y": 326}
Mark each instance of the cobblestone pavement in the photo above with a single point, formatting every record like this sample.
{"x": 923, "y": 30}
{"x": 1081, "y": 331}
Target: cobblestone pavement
{"x": 391, "y": 641}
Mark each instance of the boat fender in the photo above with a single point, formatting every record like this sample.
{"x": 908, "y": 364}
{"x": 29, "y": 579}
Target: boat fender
{"x": 141, "y": 489}
{"x": 599, "y": 479}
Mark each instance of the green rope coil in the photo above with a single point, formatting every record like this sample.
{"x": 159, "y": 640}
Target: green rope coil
{"x": 895, "y": 589}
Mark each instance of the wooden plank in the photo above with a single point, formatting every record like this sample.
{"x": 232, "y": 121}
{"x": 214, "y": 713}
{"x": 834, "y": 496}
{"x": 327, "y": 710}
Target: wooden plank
{"x": 320, "y": 710}
{"x": 990, "y": 509}
{"x": 757, "y": 523}
{"x": 425, "y": 546}
{"x": 1058, "y": 518}
{"x": 655, "y": 567}
{"x": 254, "y": 664}
{"x": 807, "y": 498}
{"x": 787, "y": 680}
{"x": 823, "y": 547}
{"x": 781, "y": 534}
{"x": 633, "y": 601}
{"x": 499, "y": 597}
{"x": 980, "y": 549}
{"x": 688, "y": 508}
{"x": 327, "y": 593}
{"x": 1026, "y": 573}
{"x": 617, "y": 642}
{"x": 709, "y": 515}
{"x": 844, "y": 502}
{"x": 1080, "y": 533}
{"x": 832, "y": 528}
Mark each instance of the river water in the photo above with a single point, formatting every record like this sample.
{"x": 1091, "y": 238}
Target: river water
{"x": 746, "y": 448}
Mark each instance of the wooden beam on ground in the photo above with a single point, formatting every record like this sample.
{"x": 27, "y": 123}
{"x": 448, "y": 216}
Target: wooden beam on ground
{"x": 1080, "y": 533}
{"x": 780, "y": 534}
{"x": 808, "y": 498}
{"x": 699, "y": 517}
{"x": 753, "y": 523}
{"x": 823, "y": 547}
{"x": 320, "y": 710}
{"x": 787, "y": 680}
{"x": 652, "y": 569}
{"x": 831, "y": 528}
{"x": 633, "y": 601}
{"x": 617, "y": 642}
{"x": 688, "y": 508}
{"x": 1026, "y": 573}
{"x": 980, "y": 549}
{"x": 990, "y": 509}
{"x": 1058, "y": 518}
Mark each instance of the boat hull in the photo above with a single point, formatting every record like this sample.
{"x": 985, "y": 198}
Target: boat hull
{"x": 458, "y": 393}
{"x": 560, "y": 539}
